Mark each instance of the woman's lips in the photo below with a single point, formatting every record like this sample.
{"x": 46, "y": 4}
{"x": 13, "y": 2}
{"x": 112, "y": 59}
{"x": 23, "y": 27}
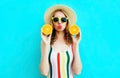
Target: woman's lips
{"x": 59, "y": 27}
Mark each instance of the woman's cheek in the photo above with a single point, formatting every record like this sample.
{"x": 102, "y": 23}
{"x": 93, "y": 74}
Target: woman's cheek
{"x": 64, "y": 26}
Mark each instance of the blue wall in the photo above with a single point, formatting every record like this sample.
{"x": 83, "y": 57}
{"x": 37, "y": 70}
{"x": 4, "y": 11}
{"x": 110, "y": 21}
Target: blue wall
{"x": 20, "y": 23}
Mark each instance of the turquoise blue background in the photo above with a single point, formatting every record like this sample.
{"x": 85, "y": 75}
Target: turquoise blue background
{"x": 20, "y": 23}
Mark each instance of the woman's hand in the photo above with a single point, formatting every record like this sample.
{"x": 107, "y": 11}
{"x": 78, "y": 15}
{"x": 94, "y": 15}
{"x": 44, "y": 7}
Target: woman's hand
{"x": 76, "y": 65}
{"x": 76, "y": 39}
{"x": 46, "y": 38}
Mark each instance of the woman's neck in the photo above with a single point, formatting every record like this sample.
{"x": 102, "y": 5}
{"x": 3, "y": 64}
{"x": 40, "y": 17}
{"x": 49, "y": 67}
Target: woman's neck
{"x": 60, "y": 35}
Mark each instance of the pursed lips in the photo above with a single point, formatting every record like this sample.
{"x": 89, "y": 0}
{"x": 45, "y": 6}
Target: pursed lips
{"x": 59, "y": 27}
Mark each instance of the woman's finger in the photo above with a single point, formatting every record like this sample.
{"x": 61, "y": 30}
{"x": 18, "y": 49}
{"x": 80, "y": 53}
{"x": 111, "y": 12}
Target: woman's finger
{"x": 78, "y": 36}
{"x": 73, "y": 37}
{"x": 49, "y": 36}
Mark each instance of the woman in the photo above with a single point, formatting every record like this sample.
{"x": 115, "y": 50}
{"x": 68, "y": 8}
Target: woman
{"x": 60, "y": 50}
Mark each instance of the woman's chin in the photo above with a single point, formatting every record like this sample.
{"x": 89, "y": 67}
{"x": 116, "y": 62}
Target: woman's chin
{"x": 60, "y": 30}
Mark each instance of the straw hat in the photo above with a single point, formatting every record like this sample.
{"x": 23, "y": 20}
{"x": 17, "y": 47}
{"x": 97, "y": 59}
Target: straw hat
{"x": 69, "y": 11}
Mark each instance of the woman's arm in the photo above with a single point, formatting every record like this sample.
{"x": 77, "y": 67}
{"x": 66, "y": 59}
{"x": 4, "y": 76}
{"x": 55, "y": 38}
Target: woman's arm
{"x": 76, "y": 65}
{"x": 44, "y": 65}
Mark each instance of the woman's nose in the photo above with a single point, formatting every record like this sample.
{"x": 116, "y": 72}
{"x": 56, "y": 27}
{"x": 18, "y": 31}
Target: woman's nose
{"x": 59, "y": 21}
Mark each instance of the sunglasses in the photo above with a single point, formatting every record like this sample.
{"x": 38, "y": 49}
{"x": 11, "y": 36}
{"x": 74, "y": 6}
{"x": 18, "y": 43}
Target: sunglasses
{"x": 58, "y": 19}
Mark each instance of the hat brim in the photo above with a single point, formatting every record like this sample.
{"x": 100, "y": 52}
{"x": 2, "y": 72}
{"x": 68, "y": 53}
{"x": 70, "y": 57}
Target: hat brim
{"x": 69, "y": 11}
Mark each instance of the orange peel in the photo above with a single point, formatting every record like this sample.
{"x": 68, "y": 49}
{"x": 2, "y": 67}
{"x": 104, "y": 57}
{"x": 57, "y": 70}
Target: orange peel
{"x": 74, "y": 29}
{"x": 47, "y": 29}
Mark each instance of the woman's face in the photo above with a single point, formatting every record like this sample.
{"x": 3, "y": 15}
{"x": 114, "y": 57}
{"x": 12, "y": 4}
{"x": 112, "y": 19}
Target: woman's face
{"x": 59, "y": 25}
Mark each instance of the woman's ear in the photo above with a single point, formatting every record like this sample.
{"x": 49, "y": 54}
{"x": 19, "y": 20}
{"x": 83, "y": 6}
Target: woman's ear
{"x": 51, "y": 23}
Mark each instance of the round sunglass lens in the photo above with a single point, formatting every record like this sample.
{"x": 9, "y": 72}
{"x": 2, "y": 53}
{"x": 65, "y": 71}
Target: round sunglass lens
{"x": 63, "y": 19}
{"x": 55, "y": 19}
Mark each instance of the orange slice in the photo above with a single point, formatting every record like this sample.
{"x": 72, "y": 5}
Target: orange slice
{"x": 47, "y": 29}
{"x": 74, "y": 30}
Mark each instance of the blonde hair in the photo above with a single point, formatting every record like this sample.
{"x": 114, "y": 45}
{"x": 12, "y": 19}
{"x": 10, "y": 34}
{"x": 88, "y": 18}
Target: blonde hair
{"x": 67, "y": 35}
